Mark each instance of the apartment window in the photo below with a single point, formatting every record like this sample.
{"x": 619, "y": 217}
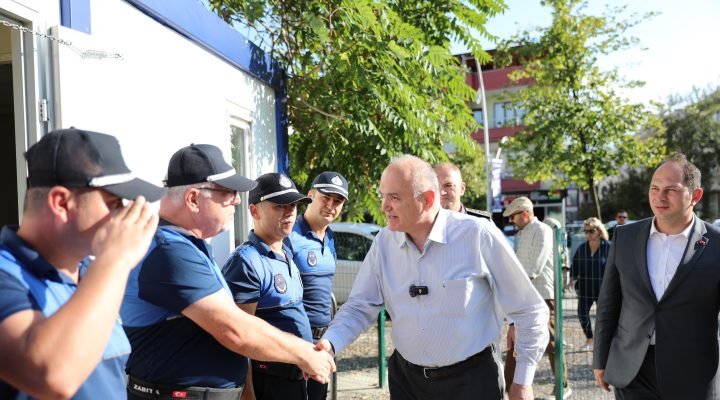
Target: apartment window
{"x": 478, "y": 114}
{"x": 507, "y": 115}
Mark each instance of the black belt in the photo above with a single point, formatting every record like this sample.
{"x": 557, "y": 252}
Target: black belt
{"x": 283, "y": 370}
{"x": 318, "y": 332}
{"x": 149, "y": 390}
{"x": 449, "y": 370}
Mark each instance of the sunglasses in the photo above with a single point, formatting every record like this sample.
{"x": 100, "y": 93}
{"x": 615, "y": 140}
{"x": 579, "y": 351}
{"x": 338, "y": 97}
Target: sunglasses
{"x": 589, "y": 231}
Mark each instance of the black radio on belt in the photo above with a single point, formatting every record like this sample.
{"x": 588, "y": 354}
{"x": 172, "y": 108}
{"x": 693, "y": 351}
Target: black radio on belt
{"x": 418, "y": 290}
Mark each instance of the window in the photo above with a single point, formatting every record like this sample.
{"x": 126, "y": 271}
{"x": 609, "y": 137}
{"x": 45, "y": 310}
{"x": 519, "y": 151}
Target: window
{"x": 507, "y": 115}
{"x": 239, "y": 134}
{"x": 478, "y": 114}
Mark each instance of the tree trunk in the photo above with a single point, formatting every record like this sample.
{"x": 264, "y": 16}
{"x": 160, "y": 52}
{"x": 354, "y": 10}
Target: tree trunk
{"x": 595, "y": 199}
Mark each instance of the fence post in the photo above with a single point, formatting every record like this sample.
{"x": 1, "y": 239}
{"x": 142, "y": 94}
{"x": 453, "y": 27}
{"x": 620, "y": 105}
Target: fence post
{"x": 382, "y": 362}
{"x": 559, "y": 337}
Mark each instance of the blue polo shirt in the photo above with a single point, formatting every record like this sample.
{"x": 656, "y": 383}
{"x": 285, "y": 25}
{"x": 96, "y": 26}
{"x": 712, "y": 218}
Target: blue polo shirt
{"x": 29, "y": 282}
{"x": 169, "y": 348}
{"x": 315, "y": 259}
{"x": 256, "y": 274}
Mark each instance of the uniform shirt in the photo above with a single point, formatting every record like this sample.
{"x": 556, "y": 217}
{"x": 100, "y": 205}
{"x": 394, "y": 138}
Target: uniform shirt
{"x": 472, "y": 277}
{"x": 25, "y": 276}
{"x": 588, "y": 268}
{"x": 167, "y": 347}
{"x": 535, "y": 251}
{"x": 256, "y": 274}
{"x": 315, "y": 259}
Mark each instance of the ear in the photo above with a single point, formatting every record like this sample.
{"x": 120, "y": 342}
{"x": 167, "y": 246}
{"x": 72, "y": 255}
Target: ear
{"x": 462, "y": 188}
{"x": 429, "y": 198}
{"x": 192, "y": 199}
{"x": 254, "y": 212}
{"x": 60, "y": 201}
{"x": 697, "y": 195}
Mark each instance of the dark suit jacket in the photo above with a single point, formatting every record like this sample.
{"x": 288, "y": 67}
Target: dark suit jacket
{"x": 685, "y": 319}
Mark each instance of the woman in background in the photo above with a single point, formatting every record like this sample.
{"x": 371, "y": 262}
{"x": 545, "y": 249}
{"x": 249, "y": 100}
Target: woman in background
{"x": 587, "y": 271}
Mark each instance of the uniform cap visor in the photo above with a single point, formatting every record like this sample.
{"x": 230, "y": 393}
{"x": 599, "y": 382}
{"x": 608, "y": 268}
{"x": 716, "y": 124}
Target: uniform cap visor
{"x": 237, "y": 182}
{"x": 136, "y": 187}
{"x": 289, "y": 198}
{"x": 332, "y": 191}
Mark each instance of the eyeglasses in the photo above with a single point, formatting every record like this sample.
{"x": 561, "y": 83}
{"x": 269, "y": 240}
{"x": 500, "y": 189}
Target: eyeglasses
{"x": 622, "y": 216}
{"x": 591, "y": 231}
{"x": 233, "y": 193}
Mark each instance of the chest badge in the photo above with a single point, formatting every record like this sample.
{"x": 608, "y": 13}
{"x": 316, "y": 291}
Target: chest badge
{"x": 280, "y": 283}
{"x": 312, "y": 259}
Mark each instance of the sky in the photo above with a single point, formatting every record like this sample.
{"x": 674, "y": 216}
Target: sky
{"x": 682, "y": 43}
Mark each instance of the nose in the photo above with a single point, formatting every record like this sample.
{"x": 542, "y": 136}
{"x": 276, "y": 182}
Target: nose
{"x": 385, "y": 204}
{"x": 236, "y": 199}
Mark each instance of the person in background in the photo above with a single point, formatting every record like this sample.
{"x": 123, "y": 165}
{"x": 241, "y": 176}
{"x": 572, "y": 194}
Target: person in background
{"x": 534, "y": 249}
{"x": 586, "y": 274}
{"x": 452, "y": 188}
{"x": 266, "y": 282}
{"x": 60, "y": 336}
{"x": 446, "y": 279}
{"x": 313, "y": 246}
{"x": 621, "y": 218}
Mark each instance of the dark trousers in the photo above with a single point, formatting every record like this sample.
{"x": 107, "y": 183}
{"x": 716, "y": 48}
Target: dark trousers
{"x": 316, "y": 390}
{"x": 584, "y": 305}
{"x": 644, "y": 386}
{"x": 550, "y": 351}
{"x": 482, "y": 381}
{"x": 271, "y": 387}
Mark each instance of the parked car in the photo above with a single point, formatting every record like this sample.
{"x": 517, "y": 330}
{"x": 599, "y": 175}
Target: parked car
{"x": 352, "y": 242}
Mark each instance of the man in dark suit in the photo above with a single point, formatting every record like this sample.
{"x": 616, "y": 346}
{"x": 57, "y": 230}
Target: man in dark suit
{"x": 657, "y": 315}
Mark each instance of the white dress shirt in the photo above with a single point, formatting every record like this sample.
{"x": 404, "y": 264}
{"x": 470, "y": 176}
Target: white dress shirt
{"x": 664, "y": 253}
{"x": 473, "y": 276}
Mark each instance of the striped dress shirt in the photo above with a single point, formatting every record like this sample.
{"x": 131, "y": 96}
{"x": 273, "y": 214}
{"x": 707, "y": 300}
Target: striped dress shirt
{"x": 473, "y": 277}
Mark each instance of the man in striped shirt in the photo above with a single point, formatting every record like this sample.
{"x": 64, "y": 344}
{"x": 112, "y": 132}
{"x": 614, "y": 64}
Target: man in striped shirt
{"x": 446, "y": 279}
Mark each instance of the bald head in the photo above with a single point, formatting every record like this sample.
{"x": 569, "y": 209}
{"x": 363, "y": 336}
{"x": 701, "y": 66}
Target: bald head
{"x": 418, "y": 172}
{"x": 451, "y": 184}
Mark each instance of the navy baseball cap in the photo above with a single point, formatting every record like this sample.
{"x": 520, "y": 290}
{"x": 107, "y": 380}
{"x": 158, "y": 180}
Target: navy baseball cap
{"x": 330, "y": 182}
{"x": 204, "y": 163}
{"x": 75, "y": 158}
{"x": 277, "y": 189}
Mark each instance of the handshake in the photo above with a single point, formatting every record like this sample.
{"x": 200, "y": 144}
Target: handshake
{"x": 320, "y": 364}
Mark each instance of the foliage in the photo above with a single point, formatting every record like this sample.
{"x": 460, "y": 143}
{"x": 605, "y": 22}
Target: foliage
{"x": 695, "y": 131}
{"x": 578, "y": 129}
{"x": 629, "y": 193}
{"x": 368, "y": 80}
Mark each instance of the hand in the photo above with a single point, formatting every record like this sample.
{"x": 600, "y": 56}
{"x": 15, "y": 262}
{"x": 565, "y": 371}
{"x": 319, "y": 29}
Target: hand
{"x": 600, "y": 379}
{"x": 324, "y": 344}
{"x": 521, "y": 392}
{"x": 127, "y": 234}
{"x": 511, "y": 337}
{"x": 318, "y": 364}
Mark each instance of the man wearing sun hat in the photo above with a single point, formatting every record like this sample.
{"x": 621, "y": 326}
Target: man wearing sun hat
{"x": 266, "y": 282}
{"x": 534, "y": 249}
{"x": 188, "y": 336}
{"x": 59, "y": 332}
{"x": 313, "y": 247}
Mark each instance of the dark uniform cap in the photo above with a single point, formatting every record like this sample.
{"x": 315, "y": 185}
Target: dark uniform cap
{"x": 75, "y": 158}
{"x": 204, "y": 163}
{"x": 330, "y": 182}
{"x": 277, "y": 189}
